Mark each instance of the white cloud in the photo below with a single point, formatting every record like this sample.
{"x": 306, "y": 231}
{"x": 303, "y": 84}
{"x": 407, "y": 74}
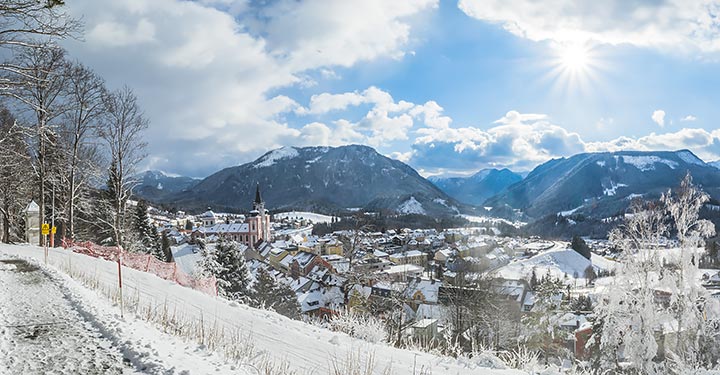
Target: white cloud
{"x": 523, "y": 141}
{"x": 116, "y": 34}
{"x": 688, "y": 118}
{"x": 658, "y": 116}
{"x": 205, "y": 71}
{"x": 386, "y": 121}
{"x": 672, "y": 24}
{"x": 316, "y": 33}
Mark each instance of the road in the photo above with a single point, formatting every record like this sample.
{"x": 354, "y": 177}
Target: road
{"x": 42, "y": 331}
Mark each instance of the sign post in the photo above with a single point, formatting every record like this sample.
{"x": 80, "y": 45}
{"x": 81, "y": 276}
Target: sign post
{"x": 53, "y": 230}
{"x": 45, "y": 231}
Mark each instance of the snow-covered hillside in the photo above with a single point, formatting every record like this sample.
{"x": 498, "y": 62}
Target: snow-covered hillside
{"x": 559, "y": 262}
{"x": 302, "y": 348}
{"x": 311, "y": 216}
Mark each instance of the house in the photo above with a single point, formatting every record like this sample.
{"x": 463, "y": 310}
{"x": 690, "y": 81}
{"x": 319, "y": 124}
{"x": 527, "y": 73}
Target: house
{"x": 423, "y": 290}
{"x": 403, "y": 272}
{"x": 275, "y": 259}
{"x": 302, "y": 263}
{"x": 410, "y": 257}
{"x": 443, "y": 255}
{"x": 582, "y": 336}
{"x": 425, "y": 330}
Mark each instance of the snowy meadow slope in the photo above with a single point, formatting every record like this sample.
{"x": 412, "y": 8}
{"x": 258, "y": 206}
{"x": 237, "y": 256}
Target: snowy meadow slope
{"x": 223, "y": 326}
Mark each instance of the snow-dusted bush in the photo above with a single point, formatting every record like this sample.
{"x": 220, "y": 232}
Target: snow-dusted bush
{"x": 359, "y": 325}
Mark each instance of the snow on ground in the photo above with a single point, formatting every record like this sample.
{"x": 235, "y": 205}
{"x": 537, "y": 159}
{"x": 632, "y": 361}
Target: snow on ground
{"x": 491, "y": 220}
{"x": 186, "y": 256}
{"x": 647, "y": 162}
{"x": 84, "y": 333}
{"x": 689, "y": 158}
{"x": 270, "y": 158}
{"x": 610, "y": 191}
{"x": 570, "y": 212}
{"x": 314, "y": 217}
{"x": 411, "y": 206}
{"x": 42, "y": 332}
{"x": 306, "y": 349}
{"x": 558, "y": 261}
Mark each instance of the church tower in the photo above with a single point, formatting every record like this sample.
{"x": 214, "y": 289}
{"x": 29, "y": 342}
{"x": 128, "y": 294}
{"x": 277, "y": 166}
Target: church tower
{"x": 259, "y": 220}
{"x": 258, "y": 204}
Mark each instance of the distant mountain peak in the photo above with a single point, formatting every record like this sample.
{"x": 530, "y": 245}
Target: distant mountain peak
{"x": 598, "y": 184}
{"x": 322, "y": 179}
{"x": 271, "y": 157}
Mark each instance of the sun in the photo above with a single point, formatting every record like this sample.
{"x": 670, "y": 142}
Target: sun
{"x": 574, "y": 67}
{"x": 574, "y": 57}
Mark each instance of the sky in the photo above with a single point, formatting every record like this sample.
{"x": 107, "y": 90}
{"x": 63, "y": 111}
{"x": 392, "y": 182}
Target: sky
{"x": 449, "y": 87}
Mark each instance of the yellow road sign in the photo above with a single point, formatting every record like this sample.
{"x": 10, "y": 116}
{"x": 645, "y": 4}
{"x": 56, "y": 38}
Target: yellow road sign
{"x": 45, "y": 229}
{"x": 54, "y": 230}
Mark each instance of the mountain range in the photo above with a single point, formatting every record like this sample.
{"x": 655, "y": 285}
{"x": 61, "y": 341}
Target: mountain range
{"x": 324, "y": 179}
{"x": 602, "y": 184}
{"x": 476, "y": 189}
{"x": 156, "y": 184}
{"x": 331, "y": 179}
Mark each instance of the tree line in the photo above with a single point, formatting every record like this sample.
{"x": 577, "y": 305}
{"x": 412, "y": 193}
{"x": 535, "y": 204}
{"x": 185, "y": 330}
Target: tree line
{"x": 67, "y": 141}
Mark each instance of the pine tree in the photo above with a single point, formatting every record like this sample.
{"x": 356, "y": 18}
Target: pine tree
{"x": 270, "y": 294}
{"x": 167, "y": 252}
{"x": 579, "y": 245}
{"x": 145, "y": 232}
{"x": 227, "y": 264}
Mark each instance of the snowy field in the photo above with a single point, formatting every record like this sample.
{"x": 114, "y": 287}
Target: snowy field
{"x": 559, "y": 262}
{"x": 258, "y": 336}
{"x": 315, "y": 218}
{"x": 492, "y": 220}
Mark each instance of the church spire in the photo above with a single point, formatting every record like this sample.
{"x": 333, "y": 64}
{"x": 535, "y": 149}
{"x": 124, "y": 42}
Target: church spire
{"x": 258, "y": 198}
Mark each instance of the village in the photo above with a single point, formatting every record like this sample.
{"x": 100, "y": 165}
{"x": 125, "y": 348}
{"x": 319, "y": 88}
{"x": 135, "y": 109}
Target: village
{"x": 414, "y": 276}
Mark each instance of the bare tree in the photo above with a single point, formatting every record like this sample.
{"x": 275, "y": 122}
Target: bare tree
{"x": 15, "y": 178}
{"x": 84, "y": 95}
{"x": 122, "y": 128}
{"x": 29, "y": 24}
{"x": 41, "y": 98}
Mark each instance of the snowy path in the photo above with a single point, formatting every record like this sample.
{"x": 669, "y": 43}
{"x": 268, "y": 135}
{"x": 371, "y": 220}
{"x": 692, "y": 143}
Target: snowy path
{"x": 41, "y": 331}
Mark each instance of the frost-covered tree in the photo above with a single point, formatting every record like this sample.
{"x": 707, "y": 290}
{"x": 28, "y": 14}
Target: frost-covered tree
{"x": 271, "y": 294}
{"x": 655, "y": 302}
{"x": 144, "y": 232}
{"x": 15, "y": 177}
{"x": 121, "y": 129}
{"x": 83, "y": 94}
{"x": 39, "y": 99}
{"x": 689, "y": 300}
{"x": 226, "y": 262}
{"x": 541, "y": 333}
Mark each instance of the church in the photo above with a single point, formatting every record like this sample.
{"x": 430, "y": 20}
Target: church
{"x": 256, "y": 226}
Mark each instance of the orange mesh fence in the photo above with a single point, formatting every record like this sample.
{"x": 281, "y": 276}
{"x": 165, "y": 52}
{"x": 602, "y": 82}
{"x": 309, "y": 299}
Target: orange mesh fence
{"x": 144, "y": 263}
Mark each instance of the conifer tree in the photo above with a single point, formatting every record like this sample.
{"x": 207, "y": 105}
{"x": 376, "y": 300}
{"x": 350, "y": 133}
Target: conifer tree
{"x": 227, "y": 264}
{"x": 268, "y": 293}
{"x": 167, "y": 253}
